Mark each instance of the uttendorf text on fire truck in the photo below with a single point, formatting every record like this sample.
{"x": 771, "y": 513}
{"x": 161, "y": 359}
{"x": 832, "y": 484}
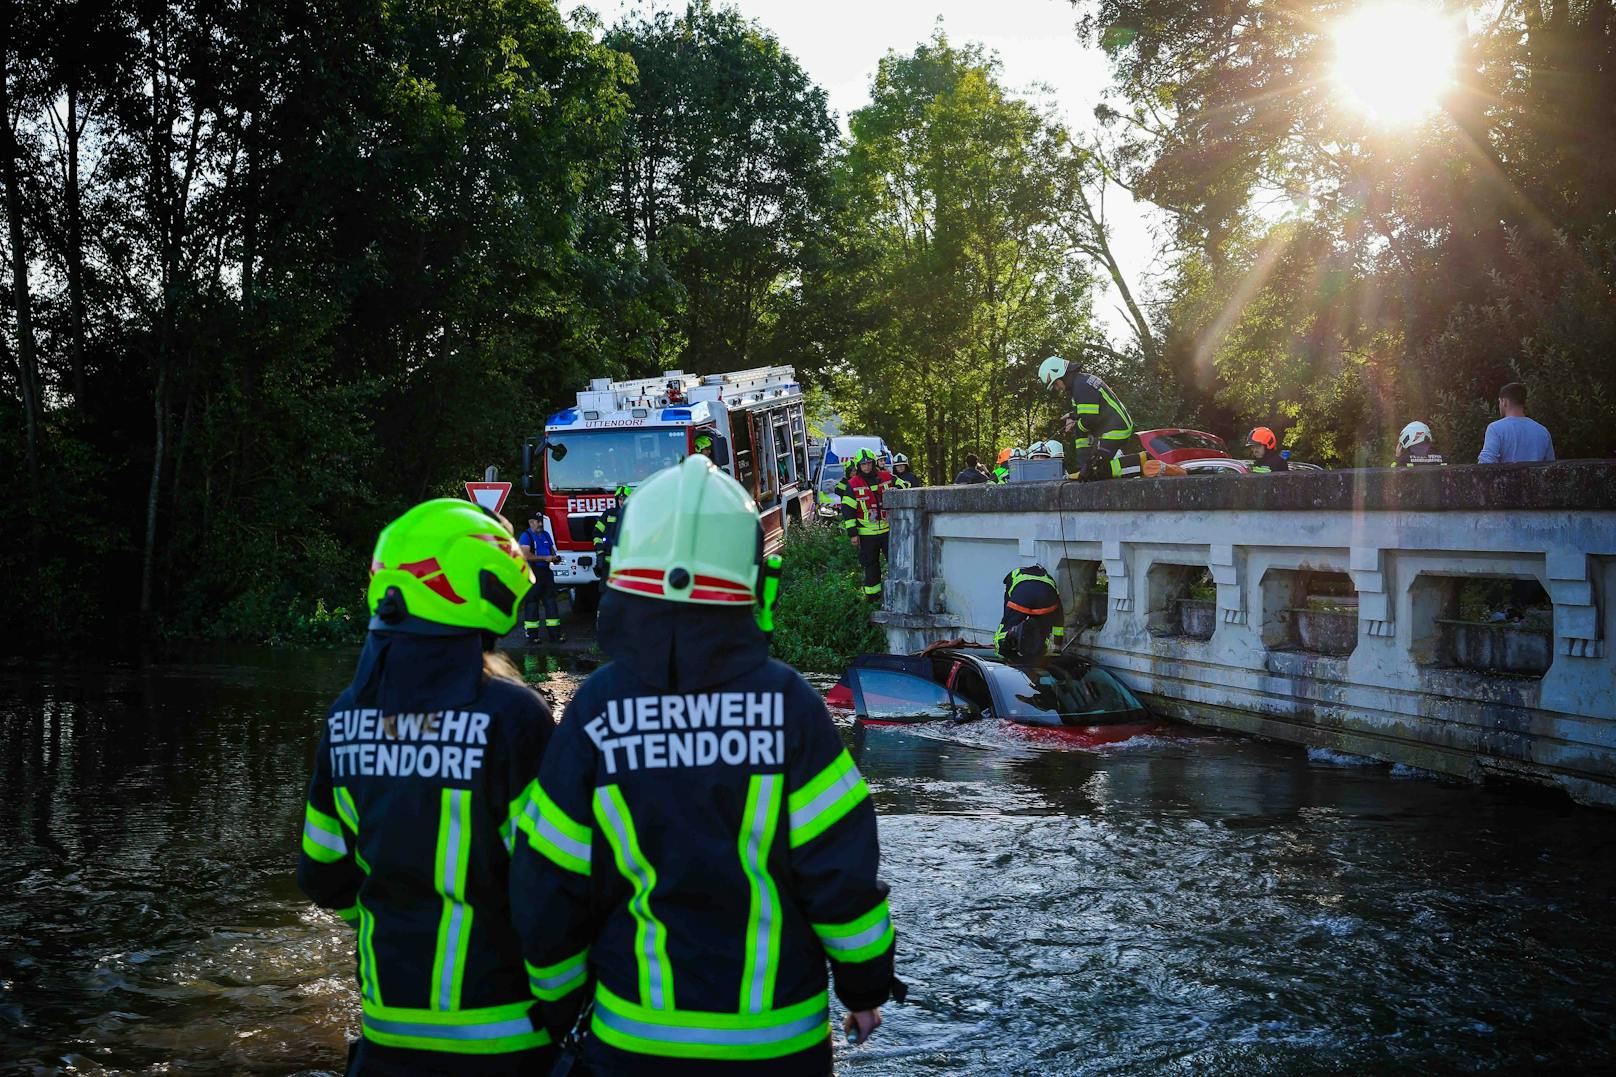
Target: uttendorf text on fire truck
{"x": 619, "y": 433}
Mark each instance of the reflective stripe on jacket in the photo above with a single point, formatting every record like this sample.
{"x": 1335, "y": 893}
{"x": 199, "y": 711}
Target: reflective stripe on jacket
{"x": 1101, "y": 418}
{"x": 863, "y": 512}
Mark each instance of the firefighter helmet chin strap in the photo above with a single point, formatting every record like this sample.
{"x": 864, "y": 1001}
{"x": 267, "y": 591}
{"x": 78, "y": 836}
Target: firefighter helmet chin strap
{"x": 768, "y": 591}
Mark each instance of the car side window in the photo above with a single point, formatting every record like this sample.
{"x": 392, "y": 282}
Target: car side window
{"x": 888, "y": 695}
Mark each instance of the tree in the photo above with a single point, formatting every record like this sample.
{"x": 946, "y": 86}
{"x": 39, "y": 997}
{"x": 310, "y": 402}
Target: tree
{"x": 719, "y": 189}
{"x": 1345, "y": 279}
{"x": 961, "y": 275}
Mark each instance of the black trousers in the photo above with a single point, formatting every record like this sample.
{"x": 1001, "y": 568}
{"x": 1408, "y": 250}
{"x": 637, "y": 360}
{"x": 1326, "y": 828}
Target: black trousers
{"x": 872, "y": 550}
{"x": 541, "y": 594}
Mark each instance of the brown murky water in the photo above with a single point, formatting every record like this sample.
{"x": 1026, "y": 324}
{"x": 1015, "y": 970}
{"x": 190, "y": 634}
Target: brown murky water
{"x": 1177, "y": 903}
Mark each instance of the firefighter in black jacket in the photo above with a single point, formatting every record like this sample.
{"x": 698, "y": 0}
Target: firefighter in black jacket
{"x": 1033, "y": 623}
{"x": 1101, "y": 424}
{"x": 408, "y": 829}
{"x": 903, "y": 476}
{"x": 1267, "y": 457}
{"x": 864, "y": 516}
{"x": 606, "y": 532}
{"x": 699, "y": 842}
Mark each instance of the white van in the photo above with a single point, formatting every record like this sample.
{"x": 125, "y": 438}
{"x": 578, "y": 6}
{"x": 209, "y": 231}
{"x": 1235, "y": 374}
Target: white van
{"x": 828, "y": 467}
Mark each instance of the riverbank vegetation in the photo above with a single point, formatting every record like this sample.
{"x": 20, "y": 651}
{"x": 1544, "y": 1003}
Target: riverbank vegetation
{"x": 273, "y": 272}
{"x": 822, "y": 621}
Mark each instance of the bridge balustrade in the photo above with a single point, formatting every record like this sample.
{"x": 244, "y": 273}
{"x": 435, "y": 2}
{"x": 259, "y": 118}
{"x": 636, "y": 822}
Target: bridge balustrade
{"x": 1355, "y": 610}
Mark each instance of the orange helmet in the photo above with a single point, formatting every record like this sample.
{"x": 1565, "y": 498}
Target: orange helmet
{"x": 1004, "y": 454}
{"x": 1263, "y": 436}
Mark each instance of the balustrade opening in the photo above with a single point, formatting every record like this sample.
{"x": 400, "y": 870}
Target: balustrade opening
{"x": 1183, "y": 601}
{"x": 1309, "y": 611}
{"x": 1486, "y": 624}
{"x": 1090, "y": 602}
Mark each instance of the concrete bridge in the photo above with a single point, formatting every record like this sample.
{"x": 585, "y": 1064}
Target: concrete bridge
{"x": 1334, "y": 609}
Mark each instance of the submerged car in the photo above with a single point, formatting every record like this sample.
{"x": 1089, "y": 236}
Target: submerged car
{"x": 963, "y": 684}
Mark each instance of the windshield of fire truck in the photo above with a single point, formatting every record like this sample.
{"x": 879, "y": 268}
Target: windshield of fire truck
{"x": 607, "y": 459}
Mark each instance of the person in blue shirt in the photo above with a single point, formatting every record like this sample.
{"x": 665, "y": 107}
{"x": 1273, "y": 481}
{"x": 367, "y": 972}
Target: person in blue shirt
{"x": 1513, "y": 438}
{"x": 539, "y": 551}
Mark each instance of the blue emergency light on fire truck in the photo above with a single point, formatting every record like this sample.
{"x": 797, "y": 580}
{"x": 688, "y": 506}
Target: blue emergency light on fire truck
{"x": 620, "y": 433}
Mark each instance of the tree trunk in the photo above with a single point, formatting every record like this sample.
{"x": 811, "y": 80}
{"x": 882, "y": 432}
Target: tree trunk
{"x": 148, "y": 556}
{"x": 27, "y": 358}
{"x": 75, "y": 247}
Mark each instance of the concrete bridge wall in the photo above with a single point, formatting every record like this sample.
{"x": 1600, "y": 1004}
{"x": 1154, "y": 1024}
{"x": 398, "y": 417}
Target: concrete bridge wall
{"x": 1384, "y": 670}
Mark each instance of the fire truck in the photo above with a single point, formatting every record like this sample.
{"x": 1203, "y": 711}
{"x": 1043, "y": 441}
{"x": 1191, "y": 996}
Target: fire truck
{"x": 619, "y": 433}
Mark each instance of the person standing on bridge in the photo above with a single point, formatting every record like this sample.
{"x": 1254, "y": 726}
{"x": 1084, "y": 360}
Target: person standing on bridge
{"x": 699, "y": 844}
{"x": 1267, "y": 458}
{"x": 1099, "y": 420}
{"x": 1513, "y": 438}
{"x": 412, "y": 811}
{"x": 972, "y": 474}
{"x": 538, "y": 549}
{"x": 864, "y": 515}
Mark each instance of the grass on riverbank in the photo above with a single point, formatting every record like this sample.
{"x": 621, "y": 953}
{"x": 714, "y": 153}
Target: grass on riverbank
{"x": 822, "y": 620}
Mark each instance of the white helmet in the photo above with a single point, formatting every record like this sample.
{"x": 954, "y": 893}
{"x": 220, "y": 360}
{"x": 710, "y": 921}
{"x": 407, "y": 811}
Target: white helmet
{"x": 1052, "y": 368}
{"x": 1018, "y": 453}
{"x": 899, "y": 458}
{"x": 1038, "y": 450}
{"x": 1414, "y": 433}
{"x": 1056, "y": 449}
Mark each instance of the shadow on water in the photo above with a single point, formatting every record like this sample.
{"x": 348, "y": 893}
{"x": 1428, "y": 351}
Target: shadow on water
{"x": 1179, "y": 902}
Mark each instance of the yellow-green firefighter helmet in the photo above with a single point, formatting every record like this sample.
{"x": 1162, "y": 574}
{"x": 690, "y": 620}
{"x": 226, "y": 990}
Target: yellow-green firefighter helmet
{"x": 689, "y": 534}
{"x": 452, "y": 563}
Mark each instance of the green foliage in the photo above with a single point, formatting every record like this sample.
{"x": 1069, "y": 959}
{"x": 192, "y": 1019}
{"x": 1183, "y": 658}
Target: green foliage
{"x": 274, "y": 272}
{"x": 322, "y": 260}
{"x": 720, "y": 182}
{"x": 1335, "y": 280}
{"x": 955, "y": 275}
{"x": 823, "y": 620}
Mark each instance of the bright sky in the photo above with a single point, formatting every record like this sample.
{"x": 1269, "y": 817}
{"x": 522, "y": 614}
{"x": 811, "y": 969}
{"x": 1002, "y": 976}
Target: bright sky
{"x": 840, "y": 42}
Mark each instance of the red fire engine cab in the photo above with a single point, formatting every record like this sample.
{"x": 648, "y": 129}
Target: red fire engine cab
{"x": 619, "y": 433}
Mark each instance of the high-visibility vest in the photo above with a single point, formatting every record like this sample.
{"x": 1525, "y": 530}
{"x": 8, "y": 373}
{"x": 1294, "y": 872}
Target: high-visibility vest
{"x": 863, "y": 512}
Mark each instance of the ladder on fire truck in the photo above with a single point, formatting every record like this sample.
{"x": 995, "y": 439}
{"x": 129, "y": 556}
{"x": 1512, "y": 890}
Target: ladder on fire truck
{"x": 752, "y": 386}
{"x": 738, "y": 387}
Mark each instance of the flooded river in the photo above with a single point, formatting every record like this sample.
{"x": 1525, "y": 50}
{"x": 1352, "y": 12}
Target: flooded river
{"x": 1181, "y": 902}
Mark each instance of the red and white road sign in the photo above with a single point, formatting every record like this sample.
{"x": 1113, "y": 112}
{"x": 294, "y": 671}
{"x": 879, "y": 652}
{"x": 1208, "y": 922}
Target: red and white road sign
{"x": 490, "y": 495}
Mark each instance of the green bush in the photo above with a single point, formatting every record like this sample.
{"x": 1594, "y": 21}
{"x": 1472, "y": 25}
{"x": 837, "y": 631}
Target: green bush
{"x": 277, "y": 616}
{"x": 822, "y": 620}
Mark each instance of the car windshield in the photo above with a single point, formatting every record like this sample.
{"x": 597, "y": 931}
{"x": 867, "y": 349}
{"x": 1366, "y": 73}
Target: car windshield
{"x": 1187, "y": 439}
{"x": 607, "y": 459}
{"x": 1074, "y": 696}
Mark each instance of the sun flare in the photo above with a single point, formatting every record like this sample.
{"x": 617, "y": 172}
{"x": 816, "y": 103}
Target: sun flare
{"x": 1394, "y": 61}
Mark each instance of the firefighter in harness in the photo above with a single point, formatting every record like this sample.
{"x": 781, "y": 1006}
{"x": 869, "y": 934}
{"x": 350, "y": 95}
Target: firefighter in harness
{"x": 699, "y": 845}
{"x": 1033, "y": 623}
{"x": 408, "y": 827}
